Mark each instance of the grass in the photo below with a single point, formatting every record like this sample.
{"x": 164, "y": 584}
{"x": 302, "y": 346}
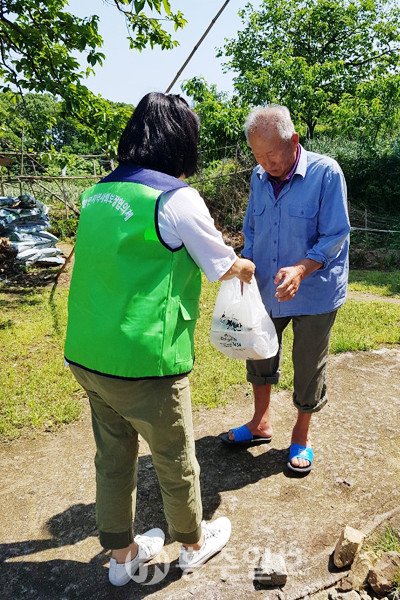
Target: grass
{"x": 37, "y": 393}
{"x": 382, "y": 283}
{"x": 365, "y": 326}
{"x": 388, "y": 540}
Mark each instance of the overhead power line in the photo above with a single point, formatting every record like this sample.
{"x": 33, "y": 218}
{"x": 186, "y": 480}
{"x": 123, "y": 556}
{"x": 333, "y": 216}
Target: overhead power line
{"x": 196, "y": 46}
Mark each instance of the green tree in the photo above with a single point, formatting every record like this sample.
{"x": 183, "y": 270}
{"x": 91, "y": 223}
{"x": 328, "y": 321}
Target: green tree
{"x": 221, "y": 117}
{"x": 43, "y": 124}
{"x": 38, "y": 37}
{"x": 38, "y": 40}
{"x": 31, "y": 118}
{"x": 317, "y": 56}
{"x": 370, "y": 115}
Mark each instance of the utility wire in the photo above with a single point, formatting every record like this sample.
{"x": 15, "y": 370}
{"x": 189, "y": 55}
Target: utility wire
{"x": 196, "y": 46}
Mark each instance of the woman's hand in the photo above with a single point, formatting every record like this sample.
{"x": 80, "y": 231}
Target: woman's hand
{"x": 242, "y": 268}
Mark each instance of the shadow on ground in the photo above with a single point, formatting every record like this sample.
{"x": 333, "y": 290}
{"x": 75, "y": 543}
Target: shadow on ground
{"x": 58, "y": 579}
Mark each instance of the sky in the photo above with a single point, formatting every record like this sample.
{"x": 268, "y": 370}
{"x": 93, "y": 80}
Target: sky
{"x": 127, "y": 75}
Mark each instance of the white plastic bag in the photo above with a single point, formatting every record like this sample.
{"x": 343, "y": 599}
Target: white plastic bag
{"x": 241, "y": 327}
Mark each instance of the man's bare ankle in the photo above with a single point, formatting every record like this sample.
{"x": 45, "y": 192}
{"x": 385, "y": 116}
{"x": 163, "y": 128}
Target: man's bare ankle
{"x": 260, "y": 427}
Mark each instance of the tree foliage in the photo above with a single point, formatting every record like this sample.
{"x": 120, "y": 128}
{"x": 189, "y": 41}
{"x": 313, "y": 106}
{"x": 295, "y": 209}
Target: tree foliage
{"x": 39, "y": 40}
{"x": 39, "y": 122}
{"x": 221, "y": 117}
{"x": 318, "y": 57}
{"x": 371, "y": 114}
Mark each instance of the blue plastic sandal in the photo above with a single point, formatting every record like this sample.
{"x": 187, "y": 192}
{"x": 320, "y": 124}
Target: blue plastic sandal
{"x": 243, "y": 437}
{"x": 298, "y": 451}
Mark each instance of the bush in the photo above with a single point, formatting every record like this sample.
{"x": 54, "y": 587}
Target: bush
{"x": 224, "y": 185}
{"x": 64, "y": 227}
{"x": 372, "y": 173}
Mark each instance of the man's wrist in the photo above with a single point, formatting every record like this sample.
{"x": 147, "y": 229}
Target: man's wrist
{"x": 307, "y": 266}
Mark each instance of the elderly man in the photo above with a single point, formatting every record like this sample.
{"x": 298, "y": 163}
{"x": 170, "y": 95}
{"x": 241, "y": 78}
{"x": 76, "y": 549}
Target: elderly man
{"x": 297, "y": 233}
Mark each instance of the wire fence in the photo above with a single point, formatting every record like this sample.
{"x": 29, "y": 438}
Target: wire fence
{"x": 58, "y": 181}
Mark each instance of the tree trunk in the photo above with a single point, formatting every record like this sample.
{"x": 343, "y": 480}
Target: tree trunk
{"x": 310, "y": 129}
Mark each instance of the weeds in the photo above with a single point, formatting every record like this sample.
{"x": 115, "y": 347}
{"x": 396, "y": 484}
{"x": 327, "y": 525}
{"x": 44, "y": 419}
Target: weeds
{"x": 387, "y": 541}
{"x": 37, "y": 392}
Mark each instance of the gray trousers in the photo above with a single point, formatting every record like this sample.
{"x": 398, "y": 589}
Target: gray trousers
{"x": 311, "y": 335}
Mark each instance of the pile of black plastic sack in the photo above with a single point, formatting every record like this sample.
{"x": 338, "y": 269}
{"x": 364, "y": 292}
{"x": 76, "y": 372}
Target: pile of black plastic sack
{"x": 24, "y": 221}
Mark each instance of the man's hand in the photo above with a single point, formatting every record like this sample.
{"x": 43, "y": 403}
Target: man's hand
{"x": 242, "y": 268}
{"x": 289, "y": 278}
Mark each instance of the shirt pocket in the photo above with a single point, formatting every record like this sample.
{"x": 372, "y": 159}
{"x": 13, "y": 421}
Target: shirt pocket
{"x": 304, "y": 222}
{"x": 258, "y": 207}
{"x": 308, "y": 211}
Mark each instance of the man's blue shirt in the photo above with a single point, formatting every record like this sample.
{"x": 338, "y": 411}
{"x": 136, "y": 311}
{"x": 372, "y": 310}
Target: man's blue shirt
{"x": 309, "y": 219}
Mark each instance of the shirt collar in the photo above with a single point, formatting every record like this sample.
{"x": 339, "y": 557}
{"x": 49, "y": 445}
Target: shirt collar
{"x": 301, "y": 168}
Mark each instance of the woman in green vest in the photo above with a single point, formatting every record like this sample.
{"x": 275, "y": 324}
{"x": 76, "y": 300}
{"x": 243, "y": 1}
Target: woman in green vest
{"x": 143, "y": 238}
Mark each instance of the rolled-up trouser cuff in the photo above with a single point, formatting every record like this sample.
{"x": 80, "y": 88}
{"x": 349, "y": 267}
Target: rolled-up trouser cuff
{"x": 115, "y": 541}
{"x": 186, "y": 538}
{"x": 257, "y": 380}
{"x": 311, "y": 409}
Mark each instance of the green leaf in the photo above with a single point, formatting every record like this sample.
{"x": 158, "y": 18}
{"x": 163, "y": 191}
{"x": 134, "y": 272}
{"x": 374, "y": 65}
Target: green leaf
{"x": 167, "y": 7}
{"x": 139, "y": 5}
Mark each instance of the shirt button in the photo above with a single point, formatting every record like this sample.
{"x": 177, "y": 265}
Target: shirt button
{"x": 274, "y": 241}
{"x": 275, "y": 224}
{"x": 274, "y": 260}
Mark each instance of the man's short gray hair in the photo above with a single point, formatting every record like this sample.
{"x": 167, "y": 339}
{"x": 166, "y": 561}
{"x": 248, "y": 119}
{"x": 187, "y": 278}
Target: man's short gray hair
{"x": 270, "y": 116}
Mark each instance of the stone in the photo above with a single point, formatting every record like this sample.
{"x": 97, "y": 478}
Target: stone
{"x": 362, "y": 564}
{"x": 382, "y": 575}
{"x": 349, "y": 543}
{"x": 320, "y": 595}
{"x": 344, "y": 585}
{"x": 271, "y": 569}
{"x": 353, "y": 595}
{"x": 364, "y": 595}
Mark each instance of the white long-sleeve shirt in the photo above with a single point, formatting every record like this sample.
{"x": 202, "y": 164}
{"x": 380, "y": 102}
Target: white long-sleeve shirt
{"x": 183, "y": 218}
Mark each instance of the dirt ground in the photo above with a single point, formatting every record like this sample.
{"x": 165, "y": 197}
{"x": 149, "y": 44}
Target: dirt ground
{"x": 49, "y": 549}
{"x": 48, "y": 544}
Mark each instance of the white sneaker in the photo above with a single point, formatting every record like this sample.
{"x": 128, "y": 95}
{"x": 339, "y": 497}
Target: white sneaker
{"x": 149, "y": 545}
{"x": 216, "y": 535}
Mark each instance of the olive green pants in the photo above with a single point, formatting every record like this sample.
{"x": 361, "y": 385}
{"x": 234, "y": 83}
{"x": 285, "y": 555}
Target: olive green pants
{"x": 311, "y": 335}
{"x": 160, "y": 411}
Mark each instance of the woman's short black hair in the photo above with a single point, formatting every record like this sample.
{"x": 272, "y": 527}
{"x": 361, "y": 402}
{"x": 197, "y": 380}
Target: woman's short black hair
{"x": 162, "y": 135}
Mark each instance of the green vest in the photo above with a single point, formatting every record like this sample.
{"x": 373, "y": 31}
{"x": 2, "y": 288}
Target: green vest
{"x": 133, "y": 301}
